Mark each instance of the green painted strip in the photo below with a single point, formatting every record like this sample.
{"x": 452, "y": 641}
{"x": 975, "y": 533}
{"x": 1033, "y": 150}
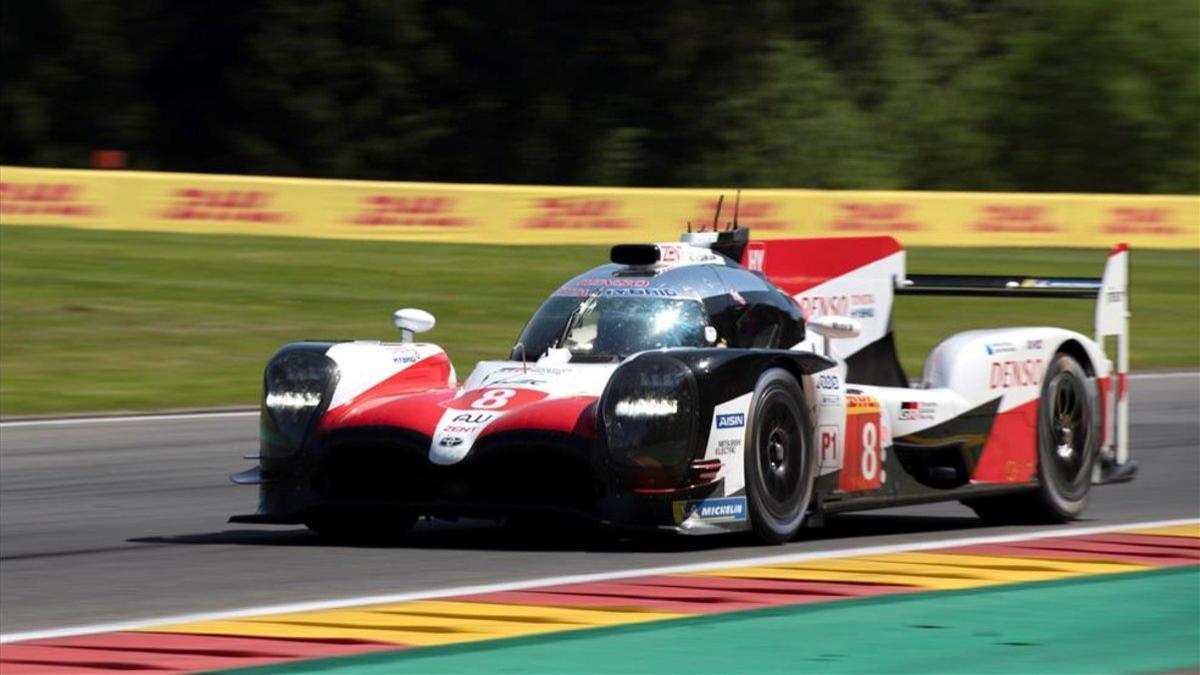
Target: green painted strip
{"x": 1138, "y": 622}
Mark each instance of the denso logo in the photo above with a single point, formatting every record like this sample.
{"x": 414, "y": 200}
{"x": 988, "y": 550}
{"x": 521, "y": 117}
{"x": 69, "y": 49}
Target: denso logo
{"x": 1019, "y": 373}
{"x": 731, "y": 421}
{"x": 818, "y": 305}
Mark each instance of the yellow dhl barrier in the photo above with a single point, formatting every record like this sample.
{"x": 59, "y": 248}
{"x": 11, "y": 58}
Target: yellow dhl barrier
{"x": 341, "y": 209}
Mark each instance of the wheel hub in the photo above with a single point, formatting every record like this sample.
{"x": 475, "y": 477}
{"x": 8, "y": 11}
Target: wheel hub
{"x": 777, "y": 449}
{"x": 1065, "y": 447}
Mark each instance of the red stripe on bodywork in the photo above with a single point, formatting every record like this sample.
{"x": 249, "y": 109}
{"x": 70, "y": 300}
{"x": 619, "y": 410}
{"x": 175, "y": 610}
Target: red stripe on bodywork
{"x": 796, "y": 265}
{"x": 687, "y": 594}
{"x": 417, "y": 412}
{"x": 167, "y": 652}
{"x": 431, "y": 372}
{"x": 407, "y": 399}
{"x": 570, "y": 415}
{"x": 1010, "y": 452}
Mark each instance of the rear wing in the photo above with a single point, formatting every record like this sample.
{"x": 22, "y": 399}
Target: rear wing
{"x": 1111, "y": 295}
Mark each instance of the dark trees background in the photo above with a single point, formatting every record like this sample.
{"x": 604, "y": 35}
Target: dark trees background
{"x": 1038, "y": 95}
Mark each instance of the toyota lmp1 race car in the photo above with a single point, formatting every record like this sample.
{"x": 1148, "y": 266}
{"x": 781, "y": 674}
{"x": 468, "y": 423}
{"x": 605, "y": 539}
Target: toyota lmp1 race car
{"x": 710, "y": 385}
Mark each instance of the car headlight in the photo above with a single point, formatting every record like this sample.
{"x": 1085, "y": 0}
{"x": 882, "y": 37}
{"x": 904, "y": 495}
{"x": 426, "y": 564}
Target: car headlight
{"x": 649, "y": 411}
{"x": 295, "y": 386}
{"x": 646, "y": 407}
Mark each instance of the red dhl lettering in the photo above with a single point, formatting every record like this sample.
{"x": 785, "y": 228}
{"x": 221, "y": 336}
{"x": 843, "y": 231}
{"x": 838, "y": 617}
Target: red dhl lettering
{"x": 44, "y": 199}
{"x": 757, "y": 214}
{"x": 747, "y": 209}
{"x": 408, "y": 211}
{"x": 222, "y": 205}
{"x": 393, "y": 204}
{"x": 874, "y": 217}
{"x": 578, "y": 208}
{"x": 1133, "y": 220}
{"x": 38, "y": 192}
{"x": 1017, "y": 373}
{"x": 222, "y": 199}
{"x": 576, "y": 214}
{"x": 1014, "y": 218}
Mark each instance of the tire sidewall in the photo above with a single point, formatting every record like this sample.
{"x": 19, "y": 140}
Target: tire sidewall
{"x": 1066, "y": 505}
{"x": 775, "y": 382}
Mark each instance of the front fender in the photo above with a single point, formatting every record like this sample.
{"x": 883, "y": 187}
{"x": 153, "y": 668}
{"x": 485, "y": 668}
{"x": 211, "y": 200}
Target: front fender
{"x": 718, "y": 383}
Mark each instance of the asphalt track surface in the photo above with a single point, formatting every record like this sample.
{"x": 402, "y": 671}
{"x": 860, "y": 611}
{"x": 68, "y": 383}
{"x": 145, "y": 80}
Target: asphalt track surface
{"x": 118, "y": 520}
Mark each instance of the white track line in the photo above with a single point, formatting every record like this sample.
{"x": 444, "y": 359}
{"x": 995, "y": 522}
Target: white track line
{"x": 168, "y": 417}
{"x": 1164, "y": 376}
{"x": 318, "y": 605}
{"x": 162, "y": 417}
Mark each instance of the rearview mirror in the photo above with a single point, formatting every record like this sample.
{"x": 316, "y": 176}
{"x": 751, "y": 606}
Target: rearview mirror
{"x": 834, "y": 326}
{"x": 410, "y": 320}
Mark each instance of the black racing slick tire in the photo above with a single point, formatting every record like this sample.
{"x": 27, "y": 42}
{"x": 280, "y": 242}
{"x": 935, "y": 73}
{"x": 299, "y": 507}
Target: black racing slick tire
{"x": 780, "y": 462}
{"x": 360, "y": 529}
{"x": 1068, "y": 440}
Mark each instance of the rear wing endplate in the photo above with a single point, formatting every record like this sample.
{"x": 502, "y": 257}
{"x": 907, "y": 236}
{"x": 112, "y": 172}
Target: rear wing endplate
{"x": 1111, "y": 295}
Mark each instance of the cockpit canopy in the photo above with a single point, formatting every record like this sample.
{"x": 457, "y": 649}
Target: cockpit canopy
{"x": 617, "y": 310}
{"x": 608, "y": 327}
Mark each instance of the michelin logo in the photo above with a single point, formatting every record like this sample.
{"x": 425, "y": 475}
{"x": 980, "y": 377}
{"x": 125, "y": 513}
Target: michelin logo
{"x": 731, "y": 421}
{"x": 727, "y": 509}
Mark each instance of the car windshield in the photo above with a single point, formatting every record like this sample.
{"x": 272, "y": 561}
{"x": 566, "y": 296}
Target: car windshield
{"x": 614, "y": 326}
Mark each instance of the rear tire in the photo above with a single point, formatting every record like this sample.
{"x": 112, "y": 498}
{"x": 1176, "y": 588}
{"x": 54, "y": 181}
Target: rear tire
{"x": 780, "y": 463}
{"x": 1068, "y": 440}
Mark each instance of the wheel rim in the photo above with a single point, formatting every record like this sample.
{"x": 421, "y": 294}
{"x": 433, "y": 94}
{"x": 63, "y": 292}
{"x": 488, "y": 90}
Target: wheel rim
{"x": 1067, "y": 430}
{"x": 780, "y": 451}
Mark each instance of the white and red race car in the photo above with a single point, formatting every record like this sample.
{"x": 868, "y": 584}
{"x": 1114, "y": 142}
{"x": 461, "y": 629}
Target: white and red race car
{"x": 710, "y": 385}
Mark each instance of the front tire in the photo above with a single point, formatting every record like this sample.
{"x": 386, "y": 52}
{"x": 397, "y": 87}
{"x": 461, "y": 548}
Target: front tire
{"x": 1068, "y": 439}
{"x": 780, "y": 463}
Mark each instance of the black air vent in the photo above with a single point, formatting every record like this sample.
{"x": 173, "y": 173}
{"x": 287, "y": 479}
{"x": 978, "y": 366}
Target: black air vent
{"x": 634, "y": 254}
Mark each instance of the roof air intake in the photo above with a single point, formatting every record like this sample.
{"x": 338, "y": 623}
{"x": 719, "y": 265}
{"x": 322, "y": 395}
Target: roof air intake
{"x": 635, "y": 254}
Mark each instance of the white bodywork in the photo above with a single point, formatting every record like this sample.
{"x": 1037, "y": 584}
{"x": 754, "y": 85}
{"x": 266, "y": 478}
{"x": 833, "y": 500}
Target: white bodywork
{"x": 502, "y": 382}
{"x": 365, "y": 363}
{"x": 962, "y": 373}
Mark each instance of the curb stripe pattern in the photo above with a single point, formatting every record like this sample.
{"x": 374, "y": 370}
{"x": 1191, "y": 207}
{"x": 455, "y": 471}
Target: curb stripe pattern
{"x": 295, "y": 636}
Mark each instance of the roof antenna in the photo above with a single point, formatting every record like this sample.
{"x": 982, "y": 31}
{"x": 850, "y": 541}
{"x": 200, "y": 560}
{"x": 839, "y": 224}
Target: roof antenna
{"x": 737, "y": 202}
{"x": 717, "y": 215}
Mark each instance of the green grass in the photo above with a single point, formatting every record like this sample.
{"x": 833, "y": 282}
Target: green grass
{"x": 95, "y": 320}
